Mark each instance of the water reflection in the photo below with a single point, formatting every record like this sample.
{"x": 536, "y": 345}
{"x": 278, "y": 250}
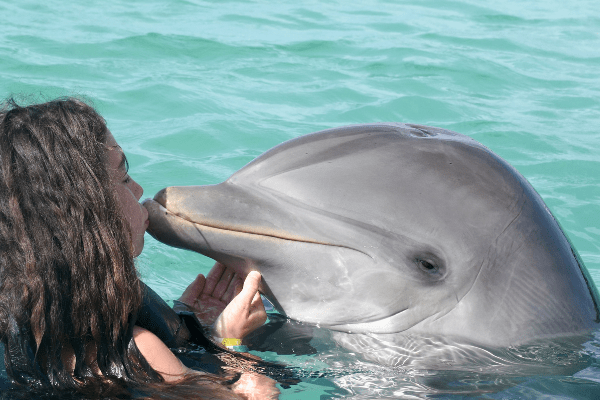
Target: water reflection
{"x": 364, "y": 367}
{"x": 301, "y": 357}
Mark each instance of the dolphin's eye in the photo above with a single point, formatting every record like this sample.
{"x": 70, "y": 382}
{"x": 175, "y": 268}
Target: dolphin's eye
{"x": 430, "y": 266}
{"x": 426, "y": 266}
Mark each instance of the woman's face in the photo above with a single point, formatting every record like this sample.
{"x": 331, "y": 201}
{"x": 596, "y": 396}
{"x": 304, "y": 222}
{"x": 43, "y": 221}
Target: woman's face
{"x": 128, "y": 194}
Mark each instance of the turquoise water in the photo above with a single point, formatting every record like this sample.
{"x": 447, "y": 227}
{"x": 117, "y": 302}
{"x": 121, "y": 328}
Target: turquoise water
{"x": 193, "y": 90}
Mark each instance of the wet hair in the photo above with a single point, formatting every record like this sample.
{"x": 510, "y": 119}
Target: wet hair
{"x": 67, "y": 277}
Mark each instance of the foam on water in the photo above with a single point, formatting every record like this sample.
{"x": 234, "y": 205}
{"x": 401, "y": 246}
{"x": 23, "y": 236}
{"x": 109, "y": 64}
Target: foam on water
{"x": 195, "y": 89}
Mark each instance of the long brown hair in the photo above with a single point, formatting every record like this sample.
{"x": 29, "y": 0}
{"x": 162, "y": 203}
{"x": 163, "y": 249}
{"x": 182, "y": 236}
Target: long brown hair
{"x": 66, "y": 264}
{"x": 67, "y": 274}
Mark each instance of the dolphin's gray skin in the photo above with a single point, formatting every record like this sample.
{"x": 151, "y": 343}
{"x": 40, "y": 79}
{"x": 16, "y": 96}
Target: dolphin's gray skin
{"x": 389, "y": 228}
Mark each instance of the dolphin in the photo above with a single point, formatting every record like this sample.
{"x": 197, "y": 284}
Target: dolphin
{"x": 391, "y": 229}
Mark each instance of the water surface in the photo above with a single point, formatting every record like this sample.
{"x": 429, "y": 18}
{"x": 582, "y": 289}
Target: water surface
{"x": 193, "y": 90}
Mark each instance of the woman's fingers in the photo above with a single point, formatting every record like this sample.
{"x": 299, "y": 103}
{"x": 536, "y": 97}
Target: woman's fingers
{"x": 257, "y": 301}
{"x": 249, "y": 297}
{"x": 213, "y": 277}
{"x": 244, "y": 313}
{"x": 235, "y": 286}
{"x": 257, "y": 312}
{"x": 224, "y": 294}
{"x": 223, "y": 284}
{"x": 193, "y": 291}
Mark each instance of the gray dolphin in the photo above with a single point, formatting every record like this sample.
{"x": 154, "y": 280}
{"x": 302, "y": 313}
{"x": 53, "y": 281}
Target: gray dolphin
{"x": 391, "y": 228}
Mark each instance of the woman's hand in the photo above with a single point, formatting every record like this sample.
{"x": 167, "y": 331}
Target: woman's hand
{"x": 208, "y": 297}
{"x": 252, "y": 386}
{"x": 220, "y": 300}
{"x": 244, "y": 313}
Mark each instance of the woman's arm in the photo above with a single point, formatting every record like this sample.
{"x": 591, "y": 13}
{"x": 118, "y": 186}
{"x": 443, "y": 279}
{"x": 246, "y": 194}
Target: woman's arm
{"x": 239, "y": 310}
{"x": 158, "y": 355}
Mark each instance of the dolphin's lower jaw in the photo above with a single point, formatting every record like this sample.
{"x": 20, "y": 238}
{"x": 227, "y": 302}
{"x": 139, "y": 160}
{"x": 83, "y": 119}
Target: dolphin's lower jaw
{"x": 325, "y": 297}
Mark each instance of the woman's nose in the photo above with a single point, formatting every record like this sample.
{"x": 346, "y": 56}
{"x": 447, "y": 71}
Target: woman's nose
{"x": 138, "y": 190}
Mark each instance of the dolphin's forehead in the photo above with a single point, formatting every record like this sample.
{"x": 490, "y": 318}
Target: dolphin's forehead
{"x": 333, "y": 143}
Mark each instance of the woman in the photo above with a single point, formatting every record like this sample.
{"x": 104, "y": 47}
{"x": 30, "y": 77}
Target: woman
{"x": 70, "y": 227}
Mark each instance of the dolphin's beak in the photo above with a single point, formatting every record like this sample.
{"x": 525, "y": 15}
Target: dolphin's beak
{"x": 229, "y": 208}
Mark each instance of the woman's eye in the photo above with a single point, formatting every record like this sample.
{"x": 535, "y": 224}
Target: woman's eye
{"x": 127, "y": 179}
